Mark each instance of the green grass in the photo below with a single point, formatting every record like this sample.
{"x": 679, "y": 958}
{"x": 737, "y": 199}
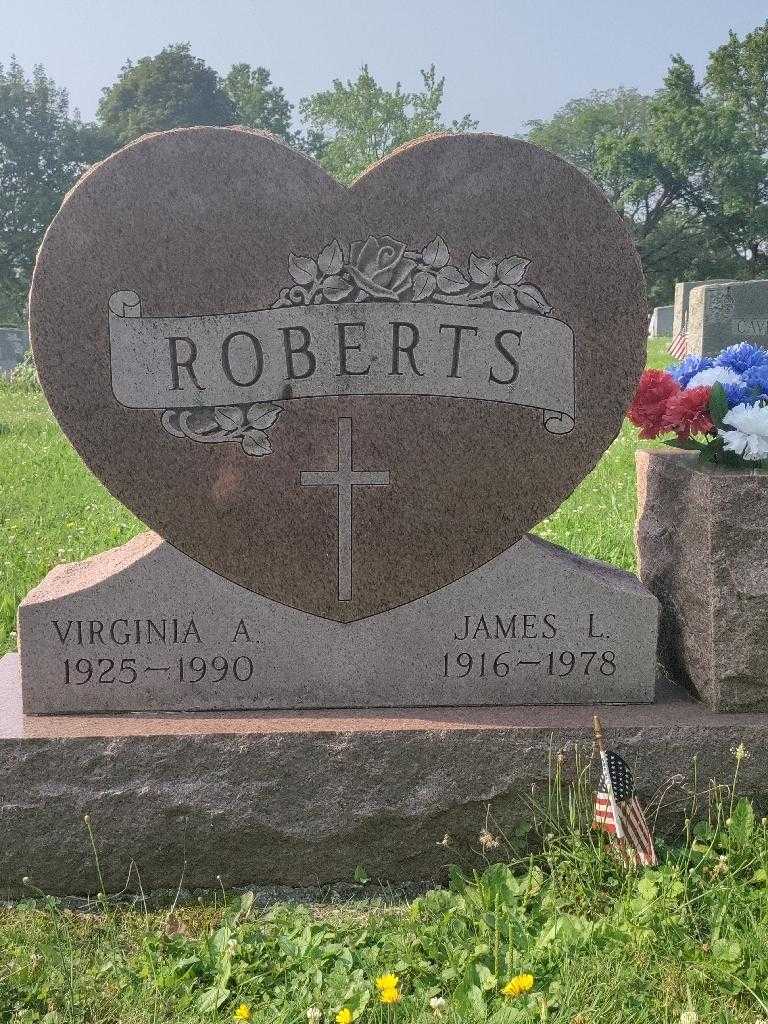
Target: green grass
{"x": 681, "y": 944}
{"x": 53, "y": 510}
{"x": 603, "y": 943}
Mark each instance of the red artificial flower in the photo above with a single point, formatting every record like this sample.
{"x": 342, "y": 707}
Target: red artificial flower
{"x": 688, "y": 413}
{"x": 649, "y": 405}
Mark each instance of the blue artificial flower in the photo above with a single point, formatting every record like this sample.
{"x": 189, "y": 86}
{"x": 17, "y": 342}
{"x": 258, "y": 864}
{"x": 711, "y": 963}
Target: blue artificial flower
{"x": 738, "y": 394}
{"x": 756, "y": 380}
{"x": 743, "y": 357}
{"x": 689, "y": 367}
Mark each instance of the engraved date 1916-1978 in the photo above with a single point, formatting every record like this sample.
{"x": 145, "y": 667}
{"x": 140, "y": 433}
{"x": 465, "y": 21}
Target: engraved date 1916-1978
{"x": 568, "y": 660}
{"x": 562, "y": 663}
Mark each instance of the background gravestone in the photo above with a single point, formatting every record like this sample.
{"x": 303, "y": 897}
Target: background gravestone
{"x": 725, "y": 314}
{"x": 14, "y": 342}
{"x": 661, "y": 321}
{"x": 682, "y": 297}
{"x": 338, "y": 406}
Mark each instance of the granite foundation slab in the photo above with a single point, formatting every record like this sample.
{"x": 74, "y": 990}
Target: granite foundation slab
{"x": 302, "y": 798}
{"x": 144, "y": 627}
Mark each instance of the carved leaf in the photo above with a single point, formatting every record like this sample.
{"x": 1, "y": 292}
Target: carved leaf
{"x": 336, "y": 288}
{"x": 331, "y": 259}
{"x": 529, "y": 297}
{"x": 302, "y": 269}
{"x": 451, "y": 280}
{"x": 481, "y": 269}
{"x": 229, "y": 417}
{"x": 512, "y": 269}
{"x": 262, "y": 415}
{"x": 424, "y": 285}
{"x": 256, "y": 443}
{"x": 504, "y": 298}
{"x": 435, "y": 254}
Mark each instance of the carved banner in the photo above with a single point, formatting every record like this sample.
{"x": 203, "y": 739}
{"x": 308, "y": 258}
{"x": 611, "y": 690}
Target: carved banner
{"x": 383, "y": 321}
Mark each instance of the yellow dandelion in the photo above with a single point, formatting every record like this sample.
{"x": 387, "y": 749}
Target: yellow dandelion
{"x": 243, "y": 1012}
{"x": 389, "y": 995}
{"x": 518, "y": 985}
{"x": 387, "y": 981}
{"x": 344, "y": 1016}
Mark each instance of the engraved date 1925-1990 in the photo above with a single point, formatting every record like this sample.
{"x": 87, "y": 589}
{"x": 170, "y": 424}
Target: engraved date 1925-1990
{"x": 563, "y": 663}
{"x": 106, "y": 671}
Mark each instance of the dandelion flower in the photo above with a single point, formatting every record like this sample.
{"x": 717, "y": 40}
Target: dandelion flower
{"x": 243, "y": 1012}
{"x": 387, "y": 981}
{"x": 518, "y": 985}
{"x": 389, "y": 995}
{"x": 344, "y": 1016}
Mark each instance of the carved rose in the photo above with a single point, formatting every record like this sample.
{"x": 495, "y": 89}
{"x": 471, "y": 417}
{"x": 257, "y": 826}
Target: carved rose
{"x": 380, "y": 267}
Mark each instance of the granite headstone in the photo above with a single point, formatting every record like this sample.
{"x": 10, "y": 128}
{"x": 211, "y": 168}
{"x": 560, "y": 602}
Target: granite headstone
{"x": 661, "y": 321}
{"x": 342, "y": 410}
{"x": 14, "y": 342}
{"x": 725, "y": 314}
{"x": 682, "y": 297}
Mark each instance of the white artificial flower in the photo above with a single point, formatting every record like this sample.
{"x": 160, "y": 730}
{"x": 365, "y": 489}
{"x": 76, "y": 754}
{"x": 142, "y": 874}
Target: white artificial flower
{"x": 314, "y": 1014}
{"x": 714, "y": 375}
{"x": 749, "y": 436}
{"x": 438, "y": 1004}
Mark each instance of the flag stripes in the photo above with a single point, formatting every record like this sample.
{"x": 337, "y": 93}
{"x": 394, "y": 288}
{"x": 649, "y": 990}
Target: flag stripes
{"x": 678, "y": 346}
{"x": 616, "y": 798}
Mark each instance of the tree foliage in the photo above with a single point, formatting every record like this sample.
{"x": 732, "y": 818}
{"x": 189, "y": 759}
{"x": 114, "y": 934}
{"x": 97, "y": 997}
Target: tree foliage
{"x": 357, "y": 123}
{"x": 43, "y": 151}
{"x": 258, "y": 102}
{"x": 687, "y": 167}
{"x": 171, "y": 90}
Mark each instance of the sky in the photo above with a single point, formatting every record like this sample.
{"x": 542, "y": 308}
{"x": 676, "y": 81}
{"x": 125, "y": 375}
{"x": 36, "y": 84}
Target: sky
{"x": 505, "y": 62}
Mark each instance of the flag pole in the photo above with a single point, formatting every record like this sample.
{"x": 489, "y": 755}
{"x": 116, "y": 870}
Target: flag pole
{"x": 608, "y": 784}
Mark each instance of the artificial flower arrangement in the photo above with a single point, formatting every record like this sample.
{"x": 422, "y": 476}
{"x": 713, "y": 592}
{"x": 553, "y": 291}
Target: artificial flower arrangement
{"x": 716, "y": 406}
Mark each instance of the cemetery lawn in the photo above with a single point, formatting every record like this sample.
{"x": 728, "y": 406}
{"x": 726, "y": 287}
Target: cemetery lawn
{"x": 582, "y": 940}
{"x": 53, "y": 510}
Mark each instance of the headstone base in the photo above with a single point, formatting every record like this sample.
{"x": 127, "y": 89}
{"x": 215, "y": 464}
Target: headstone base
{"x": 302, "y": 798}
{"x": 144, "y": 627}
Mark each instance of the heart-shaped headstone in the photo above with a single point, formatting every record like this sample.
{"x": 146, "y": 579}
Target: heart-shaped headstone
{"x": 341, "y": 399}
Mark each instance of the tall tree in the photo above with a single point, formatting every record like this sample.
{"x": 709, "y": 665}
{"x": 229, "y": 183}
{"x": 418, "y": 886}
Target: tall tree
{"x": 691, "y": 175}
{"x": 357, "y": 123}
{"x": 578, "y": 130}
{"x": 258, "y": 102}
{"x": 43, "y": 151}
{"x": 171, "y": 90}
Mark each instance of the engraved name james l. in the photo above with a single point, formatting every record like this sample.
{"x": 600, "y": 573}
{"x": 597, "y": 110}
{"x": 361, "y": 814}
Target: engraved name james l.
{"x": 374, "y": 319}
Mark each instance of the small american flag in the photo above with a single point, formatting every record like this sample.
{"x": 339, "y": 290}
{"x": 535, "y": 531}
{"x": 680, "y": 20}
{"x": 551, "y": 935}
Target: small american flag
{"x": 618, "y": 811}
{"x": 678, "y": 346}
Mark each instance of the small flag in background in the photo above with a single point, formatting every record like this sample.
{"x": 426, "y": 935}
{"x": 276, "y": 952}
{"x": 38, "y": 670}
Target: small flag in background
{"x": 617, "y": 809}
{"x": 678, "y": 346}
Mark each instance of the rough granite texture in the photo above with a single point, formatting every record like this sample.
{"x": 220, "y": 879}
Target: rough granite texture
{"x": 536, "y": 625}
{"x": 682, "y": 298}
{"x": 302, "y": 798}
{"x": 702, "y": 541}
{"x": 726, "y": 313}
{"x": 202, "y": 221}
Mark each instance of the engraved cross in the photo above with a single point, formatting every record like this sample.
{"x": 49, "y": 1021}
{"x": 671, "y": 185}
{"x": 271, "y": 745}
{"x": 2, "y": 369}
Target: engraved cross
{"x": 345, "y": 478}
